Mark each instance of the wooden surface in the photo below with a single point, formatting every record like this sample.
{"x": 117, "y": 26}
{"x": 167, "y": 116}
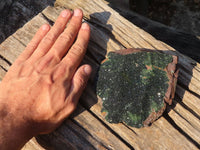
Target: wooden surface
{"x": 178, "y": 128}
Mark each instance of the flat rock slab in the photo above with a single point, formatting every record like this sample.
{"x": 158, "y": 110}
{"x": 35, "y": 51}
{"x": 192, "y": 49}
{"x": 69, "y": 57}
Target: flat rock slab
{"x": 136, "y": 84}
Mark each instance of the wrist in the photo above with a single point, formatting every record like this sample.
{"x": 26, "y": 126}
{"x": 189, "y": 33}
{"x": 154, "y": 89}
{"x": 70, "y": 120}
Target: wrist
{"x": 14, "y": 131}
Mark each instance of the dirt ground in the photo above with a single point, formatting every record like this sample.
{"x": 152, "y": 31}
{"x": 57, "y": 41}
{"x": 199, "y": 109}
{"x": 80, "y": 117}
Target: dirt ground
{"x": 15, "y": 13}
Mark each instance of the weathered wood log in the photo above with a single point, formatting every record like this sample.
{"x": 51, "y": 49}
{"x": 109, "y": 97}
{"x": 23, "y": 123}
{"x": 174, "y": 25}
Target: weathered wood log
{"x": 32, "y": 145}
{"x": 109, "y": 32}
{"x": 128, "y": 34}
{"x": 100, "y": 44}
{"x": 182, "y": 60}
{"x": 186, "y": 97}
{"x": 185, "y": 43}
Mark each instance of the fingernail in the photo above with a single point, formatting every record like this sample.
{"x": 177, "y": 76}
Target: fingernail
{"x": 77, "y": 12}
{"x": 85, "y": 26}
{"x": 45, "y": 27}
{"x": 64, "y": 13}
{"x": 87, "y": 70}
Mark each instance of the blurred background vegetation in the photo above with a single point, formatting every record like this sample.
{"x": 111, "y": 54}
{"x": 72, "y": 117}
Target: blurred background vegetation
{"x": 182, "y": 15}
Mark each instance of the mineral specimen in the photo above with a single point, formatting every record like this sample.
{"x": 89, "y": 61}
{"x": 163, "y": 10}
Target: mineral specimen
{"x": 135, "y": 84}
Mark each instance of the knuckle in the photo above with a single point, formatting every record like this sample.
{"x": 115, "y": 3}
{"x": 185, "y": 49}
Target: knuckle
{"x": 81, "y": 82}
{"x": 31, "y": 46}
{"x": 77, "y": 50}
{"x": 74, "y": 23}
{"x": 56, "y": 57}
{"x": 50, "y": 37}
{"x": 79, "y": 47}
{"x": 70, "y": 65}
{"x": 67, "y": 69}
{"x": 67, "y": 37}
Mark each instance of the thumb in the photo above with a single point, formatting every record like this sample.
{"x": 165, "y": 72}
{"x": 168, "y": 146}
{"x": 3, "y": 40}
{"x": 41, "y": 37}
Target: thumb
{"x": 79, "y": 82}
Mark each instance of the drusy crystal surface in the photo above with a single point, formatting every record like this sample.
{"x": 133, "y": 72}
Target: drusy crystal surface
{"x": 132, "y": 86}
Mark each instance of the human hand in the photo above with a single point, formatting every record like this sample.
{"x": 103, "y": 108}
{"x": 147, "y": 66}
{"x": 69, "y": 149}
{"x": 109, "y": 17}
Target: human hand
{"x": 44, "y": 84}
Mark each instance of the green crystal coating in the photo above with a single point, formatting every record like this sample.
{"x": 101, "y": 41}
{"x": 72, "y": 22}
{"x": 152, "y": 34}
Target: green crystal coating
{"x": 132, "y": 86}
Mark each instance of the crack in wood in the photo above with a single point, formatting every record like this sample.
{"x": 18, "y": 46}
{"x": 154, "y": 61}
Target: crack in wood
{"x": 51, "y": 22}
{"x": 172, "y": 122}
{"x": 83, "y": 138}
{"x": 179, "y": 100}
{"x": 19, "y": 40}
{"x": 3, "y": 68}
{"x": 4, "y": 59}
{"x": 111, "y": 130}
